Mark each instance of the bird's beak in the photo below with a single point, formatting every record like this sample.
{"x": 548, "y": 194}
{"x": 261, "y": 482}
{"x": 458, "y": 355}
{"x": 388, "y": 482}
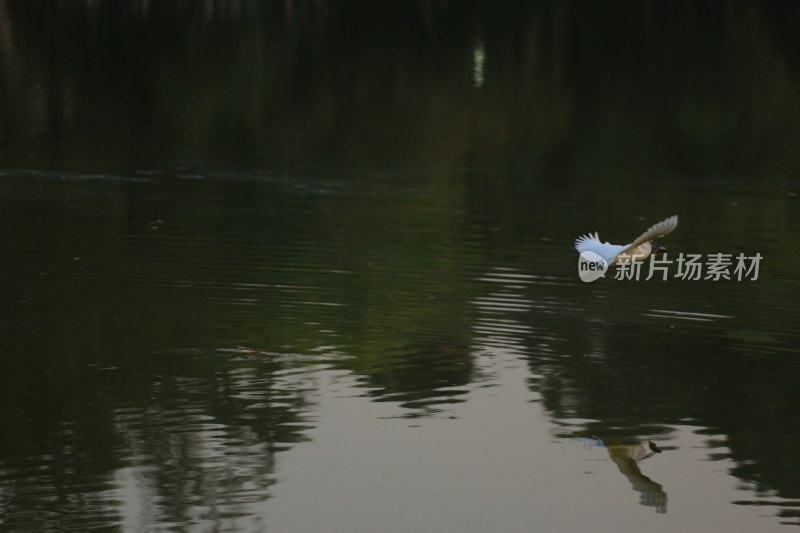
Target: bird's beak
{"x": 657, "y": 248}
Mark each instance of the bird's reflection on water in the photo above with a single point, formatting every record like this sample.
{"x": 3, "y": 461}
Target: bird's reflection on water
{"x": 627, "y": 454}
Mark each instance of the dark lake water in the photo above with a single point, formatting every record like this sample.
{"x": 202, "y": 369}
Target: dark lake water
{"x": 308, "y": 266}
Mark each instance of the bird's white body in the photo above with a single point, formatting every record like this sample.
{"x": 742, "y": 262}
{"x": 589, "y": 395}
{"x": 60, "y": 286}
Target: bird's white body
{"x": 621, "y": 253}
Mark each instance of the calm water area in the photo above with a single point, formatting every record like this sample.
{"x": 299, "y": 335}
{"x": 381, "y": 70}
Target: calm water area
{"x": 307, "y": 266}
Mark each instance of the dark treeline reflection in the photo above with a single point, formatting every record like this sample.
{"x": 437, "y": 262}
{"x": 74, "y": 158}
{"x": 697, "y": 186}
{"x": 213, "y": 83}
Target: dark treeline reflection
{"x": 202, "y": 201}
{"x": 108, "y": 431}
{"x": 681, "y": 86}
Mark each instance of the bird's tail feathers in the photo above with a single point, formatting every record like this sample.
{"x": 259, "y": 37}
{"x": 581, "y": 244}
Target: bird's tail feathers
{"x": 586, "y": 238}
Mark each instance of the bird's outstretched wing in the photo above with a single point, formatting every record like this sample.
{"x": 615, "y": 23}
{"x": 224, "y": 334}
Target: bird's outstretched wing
{"x": 656, "y": 230}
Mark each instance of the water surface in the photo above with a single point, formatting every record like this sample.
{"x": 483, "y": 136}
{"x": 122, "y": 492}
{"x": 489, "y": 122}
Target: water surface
{"x": 308, "y": 266}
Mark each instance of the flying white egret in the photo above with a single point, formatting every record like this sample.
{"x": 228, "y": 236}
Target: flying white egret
{"x": 637, "y": 250}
